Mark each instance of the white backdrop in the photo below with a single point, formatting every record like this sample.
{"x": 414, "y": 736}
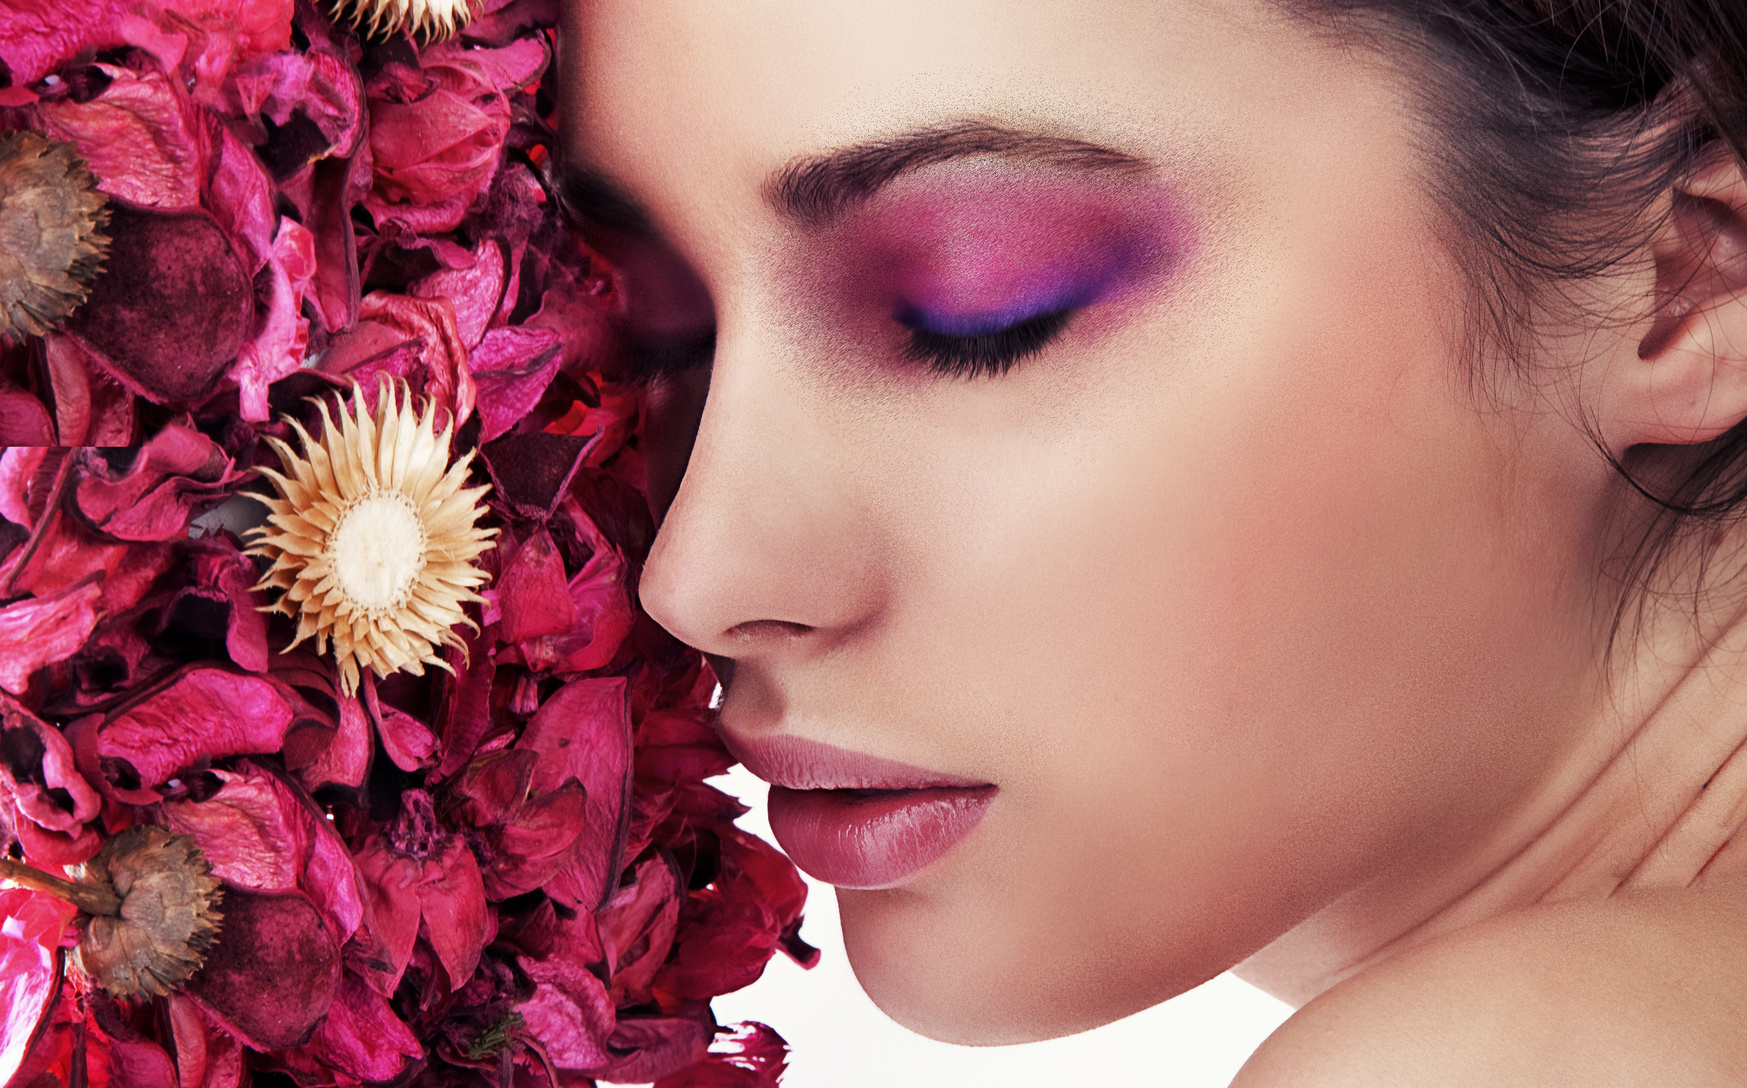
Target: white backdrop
{"x": 840, "y": 1040}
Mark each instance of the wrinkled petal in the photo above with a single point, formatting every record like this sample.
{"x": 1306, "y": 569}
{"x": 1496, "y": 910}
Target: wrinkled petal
{"x": 31, "y": 925}
{"x": 584, "y": 732}
{"x": 154, "y": 497}
{"x": 408, "y": 741}
{"x": 145, "y": 745}
{"x": 749, "y": 1056}
{"x": 37, "y": 769}
{"x": 362, "y": 1037}
{"x": 512, "y": 368}
{"x": 38, "y": 631}
{"x": 273, "y": 973}
{"x": 532, "y": 592}
{"x": 144, "y": 141}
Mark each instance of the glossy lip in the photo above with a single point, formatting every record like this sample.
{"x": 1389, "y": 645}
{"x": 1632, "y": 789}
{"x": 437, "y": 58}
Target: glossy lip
{"x": 857, "y": 820}
{"x": 798, "y": 763}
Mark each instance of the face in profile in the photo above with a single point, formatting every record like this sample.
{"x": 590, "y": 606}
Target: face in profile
{"x": 1083, "y": 492}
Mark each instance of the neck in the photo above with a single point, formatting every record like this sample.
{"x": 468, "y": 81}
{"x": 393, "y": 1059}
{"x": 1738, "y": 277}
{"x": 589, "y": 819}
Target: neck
{"x": 1654, "y": 797}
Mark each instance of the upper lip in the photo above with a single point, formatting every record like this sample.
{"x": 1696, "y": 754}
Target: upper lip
{"x": 799, "y": 763}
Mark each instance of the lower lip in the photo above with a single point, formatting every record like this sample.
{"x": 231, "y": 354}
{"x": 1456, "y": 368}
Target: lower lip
{"x": 869, "y": 839}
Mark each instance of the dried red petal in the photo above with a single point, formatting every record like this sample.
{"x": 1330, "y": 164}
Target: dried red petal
{"x": 207, "y": 1056}
{"x": 38, "y": 631}
{"x": 584, "y": 732}
{"x": 512, "y": 368}
{"x": 23, "y": 419}
{"x": 146, "y": 143}
{"x": 172, "y": 307}
{"x": 157, "y": 493}
{"x": 37, "y": 771}
{"x": 31, "y": 925}
{"x": 532, "y": 593}
{"x": 361, "y": 1037}
{"x": 147, "y": 744}
{"x": 749, "y": 1056}
{"x": 638, "y": 924}
{"x": 274, "y": 972}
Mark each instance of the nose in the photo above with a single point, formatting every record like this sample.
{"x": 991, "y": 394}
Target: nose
{"x": 767, "y": 547}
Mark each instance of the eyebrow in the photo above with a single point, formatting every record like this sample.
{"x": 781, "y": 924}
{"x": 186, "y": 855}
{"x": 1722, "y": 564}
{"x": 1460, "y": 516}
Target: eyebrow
{"x": 818, "y": 188}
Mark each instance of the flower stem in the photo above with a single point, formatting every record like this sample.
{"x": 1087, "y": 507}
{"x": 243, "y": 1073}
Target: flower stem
{"x": 89, "y": 898}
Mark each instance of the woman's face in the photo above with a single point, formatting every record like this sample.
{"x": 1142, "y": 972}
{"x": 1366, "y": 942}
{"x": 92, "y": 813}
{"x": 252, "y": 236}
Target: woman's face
{"x": 1087, "y": 418}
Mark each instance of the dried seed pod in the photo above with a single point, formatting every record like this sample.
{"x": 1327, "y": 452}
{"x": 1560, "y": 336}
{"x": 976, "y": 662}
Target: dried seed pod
{"x": 373, "y": 537}
{"x": 52, "y": 243}
{"x": 431, "y": 20}
{"x": 167, "y": 915}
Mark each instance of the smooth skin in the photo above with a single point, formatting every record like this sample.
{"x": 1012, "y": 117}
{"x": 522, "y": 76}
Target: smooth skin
{"x": 1284, "y": 645}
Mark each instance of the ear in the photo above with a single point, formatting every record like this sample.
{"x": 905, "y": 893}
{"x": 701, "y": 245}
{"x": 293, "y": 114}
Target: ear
{"x": 1689, "y": 381}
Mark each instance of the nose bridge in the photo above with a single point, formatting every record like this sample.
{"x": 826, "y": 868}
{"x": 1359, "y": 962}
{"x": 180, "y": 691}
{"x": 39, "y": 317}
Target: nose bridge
{"x": 766, "y": 528}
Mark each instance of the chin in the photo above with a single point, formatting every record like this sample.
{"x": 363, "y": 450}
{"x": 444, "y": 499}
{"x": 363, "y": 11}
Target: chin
{"x": 975, "y": 977}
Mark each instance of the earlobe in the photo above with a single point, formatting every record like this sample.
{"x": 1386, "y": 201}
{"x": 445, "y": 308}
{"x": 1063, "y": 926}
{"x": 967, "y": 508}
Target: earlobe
{"x": 1689, "y": 382}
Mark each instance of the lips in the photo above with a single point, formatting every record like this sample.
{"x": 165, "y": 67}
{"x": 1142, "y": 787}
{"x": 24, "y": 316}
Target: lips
{"x": 860, "y": 821}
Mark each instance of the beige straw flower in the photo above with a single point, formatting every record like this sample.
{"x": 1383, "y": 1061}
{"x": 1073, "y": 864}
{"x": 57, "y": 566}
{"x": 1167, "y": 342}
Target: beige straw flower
{"x": 432, "y": 20}
{"x": 51, "y": 233}
{"x": 371, "y": 540}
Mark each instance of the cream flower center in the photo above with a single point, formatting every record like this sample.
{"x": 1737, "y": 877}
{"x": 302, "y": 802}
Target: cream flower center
{"x": 377, "y": 550}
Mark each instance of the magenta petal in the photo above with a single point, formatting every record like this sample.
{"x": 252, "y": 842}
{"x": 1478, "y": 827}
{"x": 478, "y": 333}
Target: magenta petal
{"x": 23, "y": 420}
{"x": 750, "y": 1056}
{"x": 207, "y": 1056}
{"x": 144, "y": 745}
{"x": 532, "y": 593}
{"x": 38, "y": 631}
{"x": 392, "y": 881}
{"x": 532, "y": 848}
{"x": 173, "y": 305}
{"x": 135, "y": 1060}
{"x": 651, "y": 1047}
{"x": 494, "y": 787}
{"x": 457, "y": 922}
{"x": 241, "y": 197}
{"x": 30, "y": 970}
{"x": 37, "y": 767}
{"x": 584, "y": 732}
{"x": 145, "y": 142}
{"x": 512, "y": 367}
{"x": 474, "y": 291}
{"x": 362, "y": 1037}
{"x": 638, "y": 924}
{"x": 346, "y": 759}
{"x": 273, "y": 973}
{"x": 152, "y": 500}
{"x": 249, "y": 830}
{"x": 408, "y": 742}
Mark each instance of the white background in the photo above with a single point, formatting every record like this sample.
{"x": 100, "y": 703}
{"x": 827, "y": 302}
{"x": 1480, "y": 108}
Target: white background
{"x": 839, "y": 1039}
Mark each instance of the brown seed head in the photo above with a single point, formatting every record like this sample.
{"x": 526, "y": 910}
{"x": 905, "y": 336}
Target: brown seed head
{"x": 168, "y": 915}
{"x": 52, "y": 243}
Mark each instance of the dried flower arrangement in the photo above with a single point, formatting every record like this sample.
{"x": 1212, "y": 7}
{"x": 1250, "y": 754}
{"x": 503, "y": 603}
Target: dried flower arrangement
{"x": 333, "y": 747}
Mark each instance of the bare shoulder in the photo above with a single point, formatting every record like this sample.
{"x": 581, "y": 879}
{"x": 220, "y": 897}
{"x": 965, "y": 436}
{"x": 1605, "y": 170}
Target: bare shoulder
{"x": 1646, "y": 990}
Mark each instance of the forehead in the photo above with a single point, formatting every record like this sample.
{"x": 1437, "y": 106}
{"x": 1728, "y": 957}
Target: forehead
{"x": 692, "y": 105}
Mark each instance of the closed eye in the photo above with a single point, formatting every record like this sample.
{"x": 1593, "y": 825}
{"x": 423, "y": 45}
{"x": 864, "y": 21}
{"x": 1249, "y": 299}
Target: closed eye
{"x": 995, "y": 352}
{"x": 649, "y": 361}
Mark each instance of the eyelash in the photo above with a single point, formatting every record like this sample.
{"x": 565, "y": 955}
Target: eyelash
{"x": 648, "y": 362}
{"x": 990, "y": 353}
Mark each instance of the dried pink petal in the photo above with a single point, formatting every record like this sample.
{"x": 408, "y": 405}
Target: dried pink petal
{"x": 153, "y": 498}
{"x": 532, "y": 593}
{"x": 475, "y": 291}
{"x": 274, "y": 972}
{"x": 144, "y": 745}
{"x": 38, "y": 631}
{"x": 361, "y": 1037}
{"x": 145, "y": 142}
{"x": 584, "y": 732}
{"x": 31, "y": 925}
{"x": 512, "y": 367}
{"x": 751, "y": 1055}
{"x": 173, "y": 306}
